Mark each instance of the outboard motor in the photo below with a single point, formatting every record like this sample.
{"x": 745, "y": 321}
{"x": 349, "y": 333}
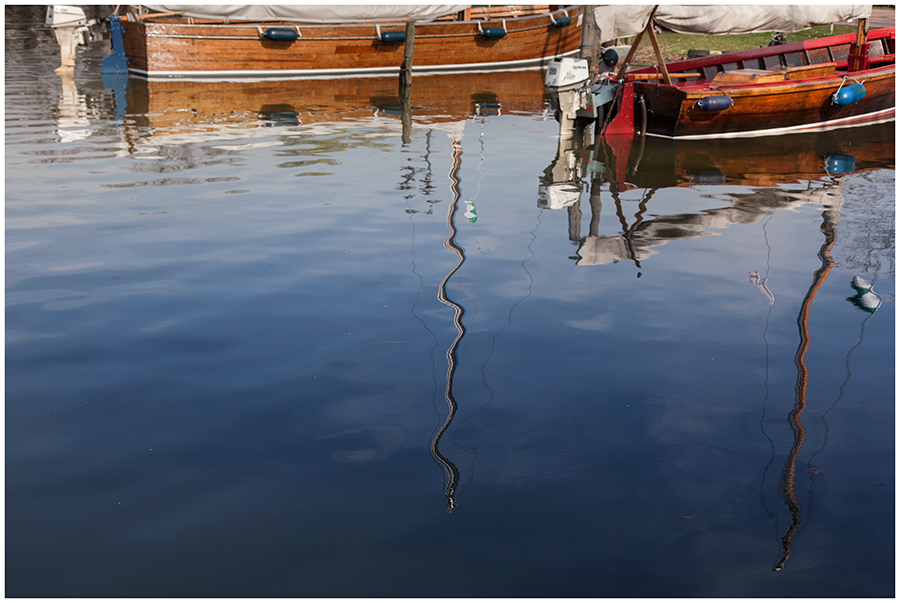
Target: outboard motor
{"x": 567, "y": 80}
{"x": 72, "y": 28}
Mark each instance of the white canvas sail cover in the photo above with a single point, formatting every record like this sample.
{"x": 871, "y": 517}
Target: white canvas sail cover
{"x": 619, "y": 21}
{"x": 307, "y": 13}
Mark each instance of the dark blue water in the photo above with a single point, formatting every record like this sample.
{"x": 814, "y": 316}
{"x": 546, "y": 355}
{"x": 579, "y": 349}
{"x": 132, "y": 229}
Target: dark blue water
{"x": 289, "y": 347}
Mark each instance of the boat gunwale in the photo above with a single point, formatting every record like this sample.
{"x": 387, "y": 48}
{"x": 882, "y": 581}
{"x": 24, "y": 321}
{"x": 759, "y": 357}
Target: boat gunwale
{"x": 178, "y": 21}
{"x": 419, "y": 35}
{"x": 695, "y": 90}
{"x": 764, "y": 51}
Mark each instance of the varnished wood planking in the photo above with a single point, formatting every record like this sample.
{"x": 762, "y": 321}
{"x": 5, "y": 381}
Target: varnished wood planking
{"x": 794, "y": 98}
{"x": 785, "y": 105}
{"x": 526, "y": 39}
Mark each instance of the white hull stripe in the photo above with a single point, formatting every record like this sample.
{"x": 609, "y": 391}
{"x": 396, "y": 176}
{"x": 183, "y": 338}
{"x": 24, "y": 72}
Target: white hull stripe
{"x": 370, "y": 72}
{"x": 878, "y": 117}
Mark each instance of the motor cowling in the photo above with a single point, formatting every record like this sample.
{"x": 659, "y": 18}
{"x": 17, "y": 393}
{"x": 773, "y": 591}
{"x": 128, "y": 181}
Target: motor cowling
{"x": 566, "y": 74}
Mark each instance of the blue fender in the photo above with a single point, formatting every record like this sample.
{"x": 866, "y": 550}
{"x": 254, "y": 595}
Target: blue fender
{"x": 840, "y": 164}
{"x": 848, "y": 95}
{"x": 392, "y": 37}
{"x": 493, "y": 32}
{"x": 280, "y": 34}
{"x": 715, "y": 103}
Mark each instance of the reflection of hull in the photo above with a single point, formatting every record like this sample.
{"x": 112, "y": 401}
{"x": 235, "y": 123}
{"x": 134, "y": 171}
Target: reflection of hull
{"x": 761, "y": 163}
{"x": 175, "y": 46}
{"x": 758, "y": 162}
{"x": 640, "y": 240}
{"x": 170, "y": 103}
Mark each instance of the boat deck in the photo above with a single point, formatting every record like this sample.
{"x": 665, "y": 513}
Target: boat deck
{"x": 800, "y": 60}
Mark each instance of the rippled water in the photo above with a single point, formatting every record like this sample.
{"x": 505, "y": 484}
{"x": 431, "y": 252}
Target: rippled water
{"x": 278, "y": 340}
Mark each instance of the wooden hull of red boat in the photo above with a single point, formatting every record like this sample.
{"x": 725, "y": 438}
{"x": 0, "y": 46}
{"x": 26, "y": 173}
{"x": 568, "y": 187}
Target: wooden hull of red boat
{"x": 173, "y": 47}
{"x": 774, "y": 90}
{"x": 769, "y": 109}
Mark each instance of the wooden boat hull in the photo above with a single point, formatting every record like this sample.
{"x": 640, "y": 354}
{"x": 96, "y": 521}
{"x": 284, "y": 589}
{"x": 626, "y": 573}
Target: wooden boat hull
{"x": 173, "y": 47}
{"x": 769, "y": 109}
{"x": 794, "y": 95}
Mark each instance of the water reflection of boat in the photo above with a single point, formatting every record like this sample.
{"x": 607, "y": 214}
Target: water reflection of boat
{"x": 612, "y": 169}
{"x": 305, "y": 40}
{"x": 165, "y": 107}
{"x": 758, "y": 162}
{"x": 175, "y": 112}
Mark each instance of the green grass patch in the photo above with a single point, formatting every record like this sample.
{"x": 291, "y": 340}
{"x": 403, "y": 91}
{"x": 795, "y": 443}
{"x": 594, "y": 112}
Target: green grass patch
{"x": 674, "y": 46}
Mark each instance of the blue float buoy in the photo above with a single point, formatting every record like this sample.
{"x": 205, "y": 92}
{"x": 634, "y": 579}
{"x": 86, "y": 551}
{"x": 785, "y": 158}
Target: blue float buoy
{"x": 562, "y": 21}
{"x": 715, "y": 103}
{"x": 840, "y": 164}
{"x": 848, "y": 95}
{"x": 710, "y": 176}
{"x": 493, "y": 32}
{"x": 278, "y": 34}
{"x": 393, "y": 37}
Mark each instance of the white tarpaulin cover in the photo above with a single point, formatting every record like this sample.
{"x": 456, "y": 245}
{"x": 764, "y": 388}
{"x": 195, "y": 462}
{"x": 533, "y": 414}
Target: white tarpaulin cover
{"x": 307, "y": 13}
{"x": 619, "y": 21}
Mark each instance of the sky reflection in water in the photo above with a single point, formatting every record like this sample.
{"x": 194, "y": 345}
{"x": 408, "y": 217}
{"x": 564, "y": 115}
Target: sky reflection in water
{"x": 259, "y": 352}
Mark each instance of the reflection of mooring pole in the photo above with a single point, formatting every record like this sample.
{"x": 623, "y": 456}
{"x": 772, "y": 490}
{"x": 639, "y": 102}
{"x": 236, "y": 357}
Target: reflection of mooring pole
{"x": 406, "y": 113}
{"x": 409, "y": 46}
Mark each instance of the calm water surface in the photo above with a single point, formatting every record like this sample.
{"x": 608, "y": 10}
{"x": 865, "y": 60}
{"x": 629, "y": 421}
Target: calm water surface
{"x": 279, "y": 340}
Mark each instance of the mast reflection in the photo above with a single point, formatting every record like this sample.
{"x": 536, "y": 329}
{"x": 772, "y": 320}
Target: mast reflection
{"x": 787, "y": 478}
{"x": 450, "y": 470}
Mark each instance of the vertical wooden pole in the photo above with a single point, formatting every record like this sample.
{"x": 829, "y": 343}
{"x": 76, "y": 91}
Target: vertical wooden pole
{"x": 408, "y": 48}
{"x": 861, "y": 27}
{"x": 589, "y": 46}
{"x": 858, "y": 59}
{"x": 635, "y": 44}
{"x": 659, "y": 57}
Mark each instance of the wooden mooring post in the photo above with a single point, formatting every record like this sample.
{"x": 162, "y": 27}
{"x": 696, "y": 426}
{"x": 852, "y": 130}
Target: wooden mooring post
{"x": 405, "y": 91}
{"x": 590, "y": 47}
{"x": 408, "y": 48}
